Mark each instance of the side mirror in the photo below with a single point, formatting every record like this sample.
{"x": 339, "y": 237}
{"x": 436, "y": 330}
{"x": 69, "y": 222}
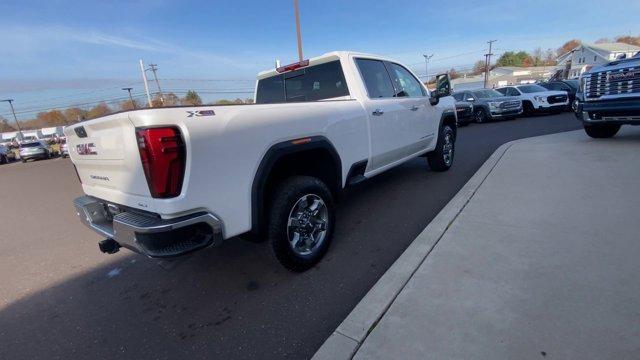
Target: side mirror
{"x": 443, "y": 88}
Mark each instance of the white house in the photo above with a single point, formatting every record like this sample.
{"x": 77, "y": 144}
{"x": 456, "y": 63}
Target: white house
{"x": 585, "y": 56}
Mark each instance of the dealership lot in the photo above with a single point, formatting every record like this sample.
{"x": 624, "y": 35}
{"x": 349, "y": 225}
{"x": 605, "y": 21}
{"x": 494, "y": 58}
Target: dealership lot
{"x": 60, "y": 297}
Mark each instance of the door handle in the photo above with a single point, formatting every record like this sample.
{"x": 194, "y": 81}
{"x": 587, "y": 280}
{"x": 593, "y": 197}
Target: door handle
{"x": 414, "y": 108}
{"x": 377, "y": 112}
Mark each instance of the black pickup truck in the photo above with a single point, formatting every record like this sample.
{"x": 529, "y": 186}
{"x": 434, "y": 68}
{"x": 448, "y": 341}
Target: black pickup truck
{"x": 610, "y": 97}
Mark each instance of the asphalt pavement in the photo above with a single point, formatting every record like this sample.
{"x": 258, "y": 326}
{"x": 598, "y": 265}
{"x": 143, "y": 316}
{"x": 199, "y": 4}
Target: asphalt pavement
{"x": 61, "y": 298}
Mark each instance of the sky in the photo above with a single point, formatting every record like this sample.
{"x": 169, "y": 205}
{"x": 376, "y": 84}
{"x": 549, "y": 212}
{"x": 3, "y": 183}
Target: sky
{"x": 56, "y": 53}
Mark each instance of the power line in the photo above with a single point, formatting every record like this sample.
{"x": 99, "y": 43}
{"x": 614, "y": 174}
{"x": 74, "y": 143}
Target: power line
{"x": 487, "y": 64}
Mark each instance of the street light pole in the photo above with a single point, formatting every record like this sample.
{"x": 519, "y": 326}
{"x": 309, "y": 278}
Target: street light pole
{"x": 146, "y": 85}
{"x": 133, "y": 104}
{"x": 426, "y": 66}
{"x": 13, "y": 111}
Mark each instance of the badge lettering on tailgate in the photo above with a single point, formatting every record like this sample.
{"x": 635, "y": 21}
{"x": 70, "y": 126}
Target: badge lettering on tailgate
{"x": 87, "y": 149}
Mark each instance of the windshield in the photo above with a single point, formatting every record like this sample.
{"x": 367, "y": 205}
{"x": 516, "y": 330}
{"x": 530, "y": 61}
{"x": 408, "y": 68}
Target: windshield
{"x": 531, "y": 88}
{"x": 573, "y": 83}
{"x": 487, "y": 94}
{"x": 30, "y": 145}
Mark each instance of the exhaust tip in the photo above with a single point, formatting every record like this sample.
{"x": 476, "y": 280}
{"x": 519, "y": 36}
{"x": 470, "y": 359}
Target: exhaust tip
{"x": 109, "y": 246}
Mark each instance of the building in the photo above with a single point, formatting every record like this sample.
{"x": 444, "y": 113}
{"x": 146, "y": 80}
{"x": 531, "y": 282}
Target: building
{"x": 585, "y": 56}
{"x": 505, "y": 75}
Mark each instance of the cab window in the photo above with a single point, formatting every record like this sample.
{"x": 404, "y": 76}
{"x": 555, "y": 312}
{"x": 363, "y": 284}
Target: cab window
{"x": 405, "y": 84}
{"x": 376, "y": 78}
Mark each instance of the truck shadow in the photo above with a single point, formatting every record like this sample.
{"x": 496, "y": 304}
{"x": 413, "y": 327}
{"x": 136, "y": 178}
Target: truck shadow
{"x": 213, "y": 302}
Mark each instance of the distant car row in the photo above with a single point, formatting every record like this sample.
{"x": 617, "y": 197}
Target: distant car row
{"x": 507, "y": 102}
{"x": 32, "y": 150}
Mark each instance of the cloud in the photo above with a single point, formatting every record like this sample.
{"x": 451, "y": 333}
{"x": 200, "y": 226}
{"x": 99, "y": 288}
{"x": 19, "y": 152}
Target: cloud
{"x": 28, "y": 43}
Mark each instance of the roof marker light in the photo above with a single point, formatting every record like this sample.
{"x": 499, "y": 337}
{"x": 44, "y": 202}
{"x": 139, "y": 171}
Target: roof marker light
{"x": 293, "y": 66}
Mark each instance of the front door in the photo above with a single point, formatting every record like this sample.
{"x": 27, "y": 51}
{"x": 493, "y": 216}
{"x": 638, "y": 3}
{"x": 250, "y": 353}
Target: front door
{"x": 396, "y": 119}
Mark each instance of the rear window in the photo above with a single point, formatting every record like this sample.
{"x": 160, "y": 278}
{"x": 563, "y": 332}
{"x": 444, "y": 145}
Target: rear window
{"x": 31, "y": 144}
{"x": 319, "y": 82}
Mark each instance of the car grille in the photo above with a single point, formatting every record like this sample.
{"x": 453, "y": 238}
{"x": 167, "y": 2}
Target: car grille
{"x": 510, "y": 104}
{"x": 613, "y": 82}
{"x": 554, "y": 99}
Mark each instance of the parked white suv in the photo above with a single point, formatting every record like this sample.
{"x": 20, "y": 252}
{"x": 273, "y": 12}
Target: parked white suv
{"x": 168, "y": 181}
{"x": 536, "y": 98}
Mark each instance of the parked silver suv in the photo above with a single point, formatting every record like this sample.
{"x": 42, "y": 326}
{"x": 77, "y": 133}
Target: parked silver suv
{"x": 35, "y": 150}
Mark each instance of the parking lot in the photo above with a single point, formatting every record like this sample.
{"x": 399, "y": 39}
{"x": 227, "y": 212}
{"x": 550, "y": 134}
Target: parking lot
{"x": 62, "y": 298}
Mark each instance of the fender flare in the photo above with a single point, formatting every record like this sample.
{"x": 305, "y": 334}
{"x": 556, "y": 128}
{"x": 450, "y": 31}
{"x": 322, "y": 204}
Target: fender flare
{"x": 270, "y": 159}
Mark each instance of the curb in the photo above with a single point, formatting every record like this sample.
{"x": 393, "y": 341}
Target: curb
{"x": 345, "y": 341}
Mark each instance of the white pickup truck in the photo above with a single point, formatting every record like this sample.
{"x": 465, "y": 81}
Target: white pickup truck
{"x": 167, "y": 181}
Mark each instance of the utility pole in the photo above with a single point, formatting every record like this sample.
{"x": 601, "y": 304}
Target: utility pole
{"x": 13, "y": 111}
{"x": 133, "y": 104}
{"x": 146, "y": 86}
{"x": 487, "y": 63}
{"x": 297, "y": 11}
{"x": 426, "y": 66}
{"x": 154, "y": 68}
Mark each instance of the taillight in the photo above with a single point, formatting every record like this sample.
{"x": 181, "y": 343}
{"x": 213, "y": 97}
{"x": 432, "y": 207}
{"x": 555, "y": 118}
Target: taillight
{"x": 163, "y": 158}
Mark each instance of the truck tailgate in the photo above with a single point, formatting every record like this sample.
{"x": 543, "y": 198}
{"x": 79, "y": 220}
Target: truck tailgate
{"x": 107, "y": 159}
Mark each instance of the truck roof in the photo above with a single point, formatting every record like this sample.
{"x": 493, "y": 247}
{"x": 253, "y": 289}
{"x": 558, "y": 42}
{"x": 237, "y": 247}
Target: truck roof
{"x": 330, "y": 56}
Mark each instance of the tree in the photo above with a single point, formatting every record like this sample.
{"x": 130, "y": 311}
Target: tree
{"x": 453, "y": 74}
{"x": 127, "y": 105}
{"x": 75, "y": 114}
{"x": 51, "y": 118}
{"x": 537, "y": 57}
{"x": 171, "y": 99}
{"x": 549, "y": 57}
{"x": 99, "y": 110}
{"x": 568, "y": 46}
{"x": 4, "y": 125}
{"x": 192, "y": 98}
{"x": 631, "y": 40}
{"x": 478, "y": 67}
{"x": 511, "y": 58}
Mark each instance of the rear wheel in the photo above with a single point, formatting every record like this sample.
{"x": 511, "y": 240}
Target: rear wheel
{"x": 441, "y": 158}
{"x": 601, "y": 131}
{"x": 3, "y": 159}
{"x": 301, "y": 222}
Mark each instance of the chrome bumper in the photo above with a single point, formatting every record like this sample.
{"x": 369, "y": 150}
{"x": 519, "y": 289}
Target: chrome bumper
{"x": 147, "y": 233}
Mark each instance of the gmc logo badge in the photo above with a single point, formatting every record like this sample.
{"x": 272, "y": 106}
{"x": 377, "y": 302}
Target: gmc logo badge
{"x": 86, "y": 149}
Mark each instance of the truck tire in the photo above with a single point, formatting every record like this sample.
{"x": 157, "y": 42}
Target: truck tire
{"x": 441, "y": 158}
{"x": 301, "y": 222}
{"x": 3, "y": 160}
{"x": 527, "y": 108}
{"x": 601, "y": 131}
{"x": 480, "y": 115}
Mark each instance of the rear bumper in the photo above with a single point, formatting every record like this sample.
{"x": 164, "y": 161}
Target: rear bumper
{"x": 623, "y": 111}
{"x": 147, "y": 233}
